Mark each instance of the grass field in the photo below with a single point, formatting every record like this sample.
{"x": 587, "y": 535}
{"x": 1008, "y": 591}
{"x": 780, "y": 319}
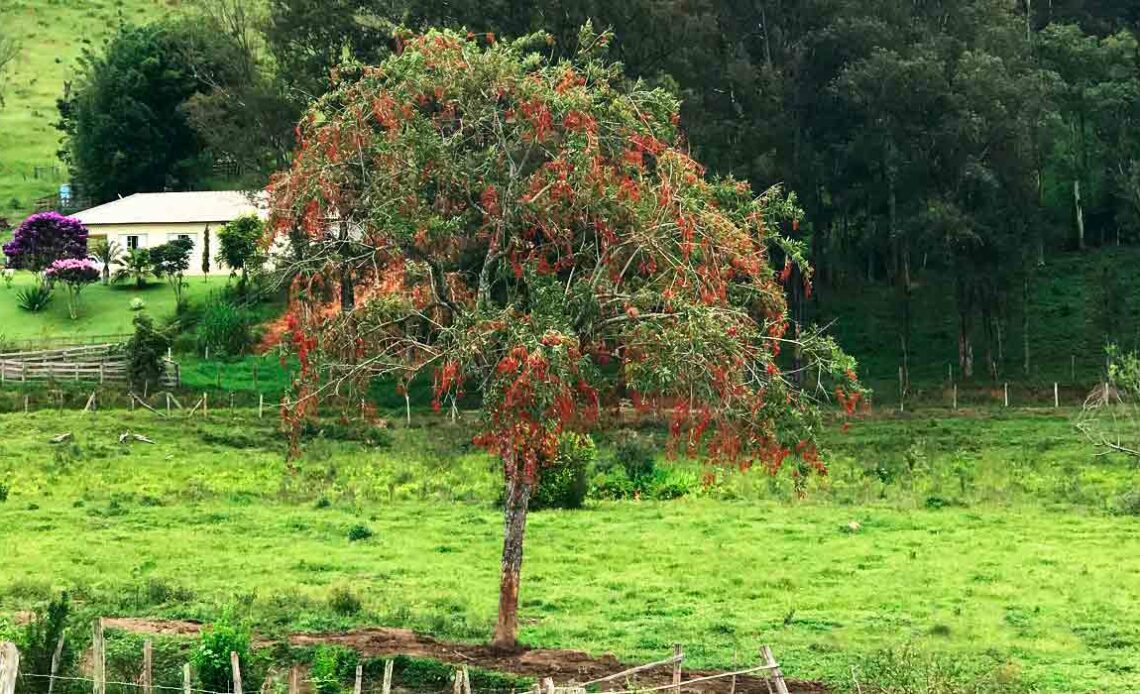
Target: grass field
{"x": 104, "y": 309}
{"x": 990, "y": 539}
{"x": 52, "y": 35}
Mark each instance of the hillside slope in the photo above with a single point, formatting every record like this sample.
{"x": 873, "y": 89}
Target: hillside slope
{"x": 1077, "y": 303}
{"x": 52, "y": 35}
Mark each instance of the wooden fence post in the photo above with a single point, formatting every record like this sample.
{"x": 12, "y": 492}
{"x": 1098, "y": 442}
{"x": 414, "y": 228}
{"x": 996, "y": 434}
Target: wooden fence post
{"x": 387, "y": 687}
{"x": 457, "y": 684}
{"x": 9, "y": 667}
{"x": 1007, "y": 395}
{"x": 186, "y": 678}
{"x": 260, "y": 405}
{"x": 466, "y": 681}
{"x": 357, "y": 688}
{"x": 548, "y": 685}
{"x": 236, "y": 665}
{"x": 98, "y": 660}
{"x": 1056, "y": 396}
{"x": 774, "y": 668}
{"x": 205, "y": 404}
{"x": 678, "y": 656}
{"x": 55, "y": 656}
{"x": 148, "y": 667}
{"x": 294, "y": 677}
{"x": 955, "y": 396}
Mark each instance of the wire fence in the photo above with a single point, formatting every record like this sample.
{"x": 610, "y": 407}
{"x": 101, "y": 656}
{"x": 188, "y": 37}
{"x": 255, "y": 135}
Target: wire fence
{"x": 291, "y": 680}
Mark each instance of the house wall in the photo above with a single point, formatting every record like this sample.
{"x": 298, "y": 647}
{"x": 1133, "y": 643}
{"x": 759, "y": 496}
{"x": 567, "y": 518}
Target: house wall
{"x": 151, "y": 235}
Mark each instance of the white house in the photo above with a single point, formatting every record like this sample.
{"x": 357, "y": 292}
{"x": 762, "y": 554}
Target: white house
{"x": 145, "y": 220}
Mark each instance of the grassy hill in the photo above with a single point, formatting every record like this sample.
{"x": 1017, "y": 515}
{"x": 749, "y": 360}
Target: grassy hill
{"x": 1077, "y": 303}
{"x": 52, "y": 34}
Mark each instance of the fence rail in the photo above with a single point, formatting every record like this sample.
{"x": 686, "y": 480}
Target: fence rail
{"x": 105, "y": 363}
{"x": 47, "y": 343}
{"x": 768, "y": 669}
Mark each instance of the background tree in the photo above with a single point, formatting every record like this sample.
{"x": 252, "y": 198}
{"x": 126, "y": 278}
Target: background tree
{"x": 75, "y": 275}
{"x": 238, "y": 241}
{"x": 537, "y": 230}
{"x": 206, "y": 252}
{"x": 124, "y": 119}
{"x": 106, "y": 252}
{"x": 171, "y": 260}
{"x": 43, "y": 238}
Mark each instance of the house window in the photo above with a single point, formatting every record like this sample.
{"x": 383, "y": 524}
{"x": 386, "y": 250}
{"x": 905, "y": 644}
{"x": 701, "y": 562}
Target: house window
{"x": 179, "y": 237}
{"x": 133, "y": 242}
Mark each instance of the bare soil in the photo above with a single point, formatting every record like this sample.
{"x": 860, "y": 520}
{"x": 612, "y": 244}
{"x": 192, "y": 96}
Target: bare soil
{"x": 561, "y": 665}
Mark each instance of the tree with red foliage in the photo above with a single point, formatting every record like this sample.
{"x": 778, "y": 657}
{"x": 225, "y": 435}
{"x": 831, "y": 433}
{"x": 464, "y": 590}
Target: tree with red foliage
{"x": 536, "y": 232}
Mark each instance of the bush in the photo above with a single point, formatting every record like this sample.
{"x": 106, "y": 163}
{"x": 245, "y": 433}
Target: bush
{"x": 359, "y": 532}
{"x": 38, "y": 643}
{"x": 333, "y": 666}
{"x": 5, "y": 490}
{"x": 635, "y": 453}
{"x": 907, "y": 670}
{"x": 137, "y": 304}
{"x": 35, "y": 298}
{"x": 225, "y": 329}
{"x": 344, "y": 602}
{"x": 563, "y": 484}
{"x": 145, "y": 352}
{"x": 1128, "y": 504}
{"x": 211, "y": 658}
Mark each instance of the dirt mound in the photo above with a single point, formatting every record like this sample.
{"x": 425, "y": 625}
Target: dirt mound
{"x": 562, "y": 665}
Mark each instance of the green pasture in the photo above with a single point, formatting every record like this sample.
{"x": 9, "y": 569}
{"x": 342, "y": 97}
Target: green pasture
{"x": 997, "y": 541}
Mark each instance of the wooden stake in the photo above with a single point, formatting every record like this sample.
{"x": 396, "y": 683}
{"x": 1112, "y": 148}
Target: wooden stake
{"x": 148, "y": 667}
{"x": 55, "y": 662}
{"x": 294, "y": 677}
{"x": 98, "y": 660}
{"x": 205, "y": 404}
{"x": 236, "y": 666}
{"x": 168, "y": 402}
{"x": 1073, "y": 368}
{"x": 387, "y": 687}
{"x": 260, "y": 405}
{"x": 1007, "y": 395}
{"x": 457, "y": 685}
{"x": 679, "y": 655}
{"x": 770, "y": 661}
{"x": 9, "y": 667}
{"x": 357, "y": 688}
{"x": 955, "y": 396}
{"x": 186, "y": 678}
{"x": 466, "y": 680}
{"x": 25, "y": 404}
{"x": 408, "y": 406}
{"x": 548, "y": 685}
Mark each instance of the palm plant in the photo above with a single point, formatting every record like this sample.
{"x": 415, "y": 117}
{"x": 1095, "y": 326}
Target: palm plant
{"x": 107, "y": 253}
{"x": 135, "y": 265}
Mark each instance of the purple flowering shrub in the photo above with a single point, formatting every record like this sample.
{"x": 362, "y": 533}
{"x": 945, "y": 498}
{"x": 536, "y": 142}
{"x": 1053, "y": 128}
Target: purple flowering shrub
{"x": 76, "y": 274}
{"x": 44, "y": 238}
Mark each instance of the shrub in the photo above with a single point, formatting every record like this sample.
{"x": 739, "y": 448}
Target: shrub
{"x": 145, "y": 352}
{"x": 359, "y": 532}
{"x": 332, "y": 666}
{"x": 563, "y": 484}
{"x": 1128, "y": 504}
{"x": 344, "y": 602}
{"x": 5, "y": 490}
{"x": 211, "y": 657}
{"x": 225, "y": 329}
{"x": 35, "y": 298}
{"x": 907, "y": 670}
{"x": 635, "y": 453}
{"x": 137, "y": 304}
{"x": 38, "y": 643}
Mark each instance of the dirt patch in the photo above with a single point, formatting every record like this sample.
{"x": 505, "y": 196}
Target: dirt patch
{"x": 562, "y": 665}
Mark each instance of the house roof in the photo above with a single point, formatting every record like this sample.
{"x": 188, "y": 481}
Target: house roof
{"x": 175, "y": 208}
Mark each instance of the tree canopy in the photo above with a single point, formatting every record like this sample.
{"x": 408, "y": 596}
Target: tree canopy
{"x": 536, "y": 230}
{"x": 44, "y": 238}
{"x": 125, "y": 119}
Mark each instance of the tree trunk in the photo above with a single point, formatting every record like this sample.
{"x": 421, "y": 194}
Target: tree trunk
{"x": 1025, "y": 321}
{"x": 514, "y": 529}
{"x": 1080, "y": 214}
{"x": 347, "y": 290}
